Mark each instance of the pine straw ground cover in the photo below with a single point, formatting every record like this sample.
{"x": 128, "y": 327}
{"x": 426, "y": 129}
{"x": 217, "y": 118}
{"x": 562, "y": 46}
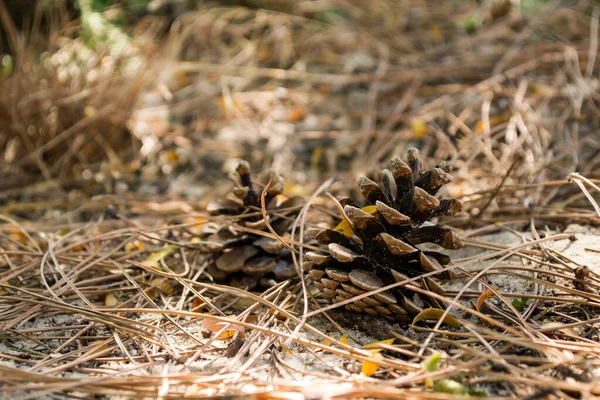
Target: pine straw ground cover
{"x": 104, "y": 288}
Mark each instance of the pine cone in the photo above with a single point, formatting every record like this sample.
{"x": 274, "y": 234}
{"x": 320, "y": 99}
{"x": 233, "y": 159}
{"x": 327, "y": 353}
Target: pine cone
{"x": 377, "y": 245}
{"x": 249, "y": 260}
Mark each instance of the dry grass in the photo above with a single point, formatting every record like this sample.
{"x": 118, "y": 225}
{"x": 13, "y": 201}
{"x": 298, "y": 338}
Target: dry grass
{"x": 116, "y": 301}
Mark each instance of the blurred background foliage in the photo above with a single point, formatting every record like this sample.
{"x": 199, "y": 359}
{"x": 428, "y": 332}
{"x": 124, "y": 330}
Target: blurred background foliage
{"x": 162, "y": 96}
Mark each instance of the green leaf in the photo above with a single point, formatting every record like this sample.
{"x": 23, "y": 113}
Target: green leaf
{"x": 448, "y": 386}
{"x": 520, "y": 304}
{"x": 476, "y": 393}
{"x": 432, "y": 363}
{"x": 154, "y": 259}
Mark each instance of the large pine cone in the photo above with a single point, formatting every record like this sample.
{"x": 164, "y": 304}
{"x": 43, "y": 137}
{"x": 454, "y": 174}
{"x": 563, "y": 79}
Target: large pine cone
{"x": 376, "y": 246}
{"x": 248, "y": 260}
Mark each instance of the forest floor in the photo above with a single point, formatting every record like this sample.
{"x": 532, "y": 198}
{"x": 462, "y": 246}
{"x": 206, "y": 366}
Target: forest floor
{"x": 113, "y": 143}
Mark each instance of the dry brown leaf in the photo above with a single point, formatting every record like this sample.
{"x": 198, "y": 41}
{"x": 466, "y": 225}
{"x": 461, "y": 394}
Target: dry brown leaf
{"x": 483, "y": 298}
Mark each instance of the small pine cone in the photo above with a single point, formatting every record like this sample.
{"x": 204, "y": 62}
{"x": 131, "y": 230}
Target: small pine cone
{"x": 376, "y": 246}
{"x": 249, "y": 260}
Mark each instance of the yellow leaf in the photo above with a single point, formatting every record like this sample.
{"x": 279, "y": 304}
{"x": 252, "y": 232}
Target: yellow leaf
{"x": 110, "y": 300}
{"x": 170, "y": 156}
{"x": 315, "y": 157}
{"x": 230, "y": 329}
{"x": 344, "y": 339}
{"x": 18, "y": 236}
{"x": 432, "y": 363}
{"x": 370, "y": 367}
{"x": 200, "y": 221}
{"x": 375, "y": 348}
{"x": 281, "y": 198}
{"x": 346, "y": 229}
{"x": 89, "y": 111}
{"x": 294, "y": 189}
{"x": 227, "y": 334}
{"x": 483, "y": 298}
{"x": 370, "y": 209}
{"x": 479, "y": 127}
{"x": 435, "y": 314}
{"x": 326, "y": 342}
{"x": 435, "y": 33}
{"x": 448, "y": 386}
{"x": 543, "y": 90}
{"x": 419, "y": 127}
{"x": 135, "y": 245}
{"x": 2, "y": 291}
{"x": 154, "y": 259}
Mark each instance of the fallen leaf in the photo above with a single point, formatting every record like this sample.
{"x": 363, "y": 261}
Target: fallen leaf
{"x": 200, "y": 222}
{"x": 170, "y": 156}
{"x": 197, "y": 302}
{"x": 18, "y": 236}
{"x": 154, "y": 259}
{"x": 370, "y": 209}
{"x": 217, "y": 326}
{"x": 483, "y": 298}
{"x": 110, "y": 300}
{"x": 375, "y": 348}
{"x": 346, "y": 229}
{"x": 448, "y": 386}
{"x": 133, "y": 246}
{"x": 479, "y": 127}
{"x": 344, "y": 339}
{"x": 76, "y": 249}
{"x": 296, "y": 114}
{"x": 435, "y": 314}
{"x": 370, "y": 367}
{"x": 419, "y": 127}
{"x": 432, "y": 363}
{"x": 315, "y": 157}
{"x": 294, "y": 189}
{"x": 519, "y": 304}
{"x": 435, "y": 33}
